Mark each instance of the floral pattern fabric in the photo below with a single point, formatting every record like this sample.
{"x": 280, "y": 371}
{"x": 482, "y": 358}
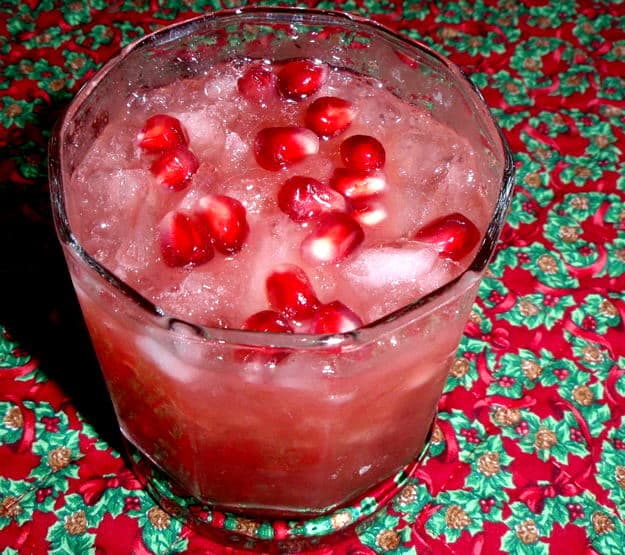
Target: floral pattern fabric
{"x": 528, "y": 451}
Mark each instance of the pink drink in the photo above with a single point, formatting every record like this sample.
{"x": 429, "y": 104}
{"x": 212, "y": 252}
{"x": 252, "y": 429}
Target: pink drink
{"x": 429, "y": 172}
{"x": 312, "y": 242}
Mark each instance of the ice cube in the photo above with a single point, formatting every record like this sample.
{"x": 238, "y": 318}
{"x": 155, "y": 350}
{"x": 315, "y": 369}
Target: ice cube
{"x": 382, "y": 279}
{"x": 236, "y": 148}
{"x": 163, "y": 358}
{"x": 207, "y": 137}
{"x": 271, "y": 241}
{"x": 221, "y": 87}
{"x": 109, "y": 200}
{"x": 390, "y": 265}
{"x": 197, "y": 297}
{"x": 254, "y": 190}
{"x": 124, "y": 191}
{"x": 419, "y": 155}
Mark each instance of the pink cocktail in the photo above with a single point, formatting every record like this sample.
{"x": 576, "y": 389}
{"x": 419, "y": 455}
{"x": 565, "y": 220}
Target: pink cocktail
{"x": 276, "y": 222}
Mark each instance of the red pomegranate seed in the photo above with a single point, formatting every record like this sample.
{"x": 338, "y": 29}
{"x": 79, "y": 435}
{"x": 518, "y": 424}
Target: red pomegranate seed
{"x": 368, "y": 211}
{"x": 289, "y": 291}
{"x": 452, "y": 236}
{"x": 162, "y": 132}
{"x": 265, "y": 321}
{"x": 335, "y": 317}
{"x": 184, "y": 239}
{"x": 278, "y": 147}
{"x": 329, "y": 116}
{"x": 362, "y": 152}
{"x": 175, "y": 167}
{"x": 355, "y": 184}
{"x": 303, "y": 198}
{"x": 301, "y": 78}
{"x": 226, "y": 220}
{"x": 257, "y": 84}
{"x": 335, "y": 236}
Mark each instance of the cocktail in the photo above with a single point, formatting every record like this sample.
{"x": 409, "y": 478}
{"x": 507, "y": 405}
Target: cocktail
{"x": 276, "y": 221}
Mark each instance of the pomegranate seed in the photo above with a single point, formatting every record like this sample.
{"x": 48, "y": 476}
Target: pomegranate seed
{"x": 289, "y": 291}
{"x": 362, "y": 152}
{"x": 301, "y": 78}
{"x": 329, "y": 116}
{"x": 368, "y": 211}
{"x": 184, "y": 239}
{"x": 452, "y": 236}
{"x": 265, "y": 321}
{"x": 226, "y": 220}
{"x": 278, "y": 147}
{"x": 335, "y": 317}
{"x": 303, "y": 198}
{"x": 175, "y": 167}
{"x": 335, "y": 237}
{"x": 162, "y": 132}
{"x": 257, "y": 84}
{"x": 355, "y": 184}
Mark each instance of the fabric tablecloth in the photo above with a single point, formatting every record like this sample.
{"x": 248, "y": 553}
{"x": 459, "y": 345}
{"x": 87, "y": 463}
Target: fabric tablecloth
{"x": 528, "y": 452}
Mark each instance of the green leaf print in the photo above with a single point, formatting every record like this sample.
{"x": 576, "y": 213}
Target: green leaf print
{"x": 555, "y": 510}
{"x": 578, "y": 170}
{"x": 536, "y": 310}
{"x": 412, "y": 498}
{"x": 581, "y": 206}
{"x": 52, "y": 37}
{"x": 17, "y": 502}
{"x": 11, "y": 423}
{"x": 514, "y": 90}
{"x": 11, "y": 356}
{"x": 71, "y": 532}
{"x": 18, "y": 112}
{"x": 160, "y": 531}
{"x": 526, "y": 535}
{"x": 78, "y": 64}
{"x": 463, "y": 371}
{"x": 77, "y": 12}
{"x": 532, "y": 175}
{"x": 566, "y": 232}
{"x": 489, "y": 475}
{"x": 98, "y": 35}
{"x": 596, "y": 313}
{"x": 504, "y": 259}
{"x": 616, "y": 255}
{"x": 522, "y": 211}
{"x": 515, "y": 374}
{"x": 587, "y": 28}
{"x": 56, "y": 444}
{"x": 383, "y": 536}
{"x": 612, "y": 88}
{"x": 129, "y": 32}
{"x": 558, "y": 370}
{"x": 459, "y": 512}
{"x": 469, "y": 432}
{"x": 547, "y": 438}
{"x": 415, "y": 10}
{"x": 611, "y": 472}
{"x": 576, "y": 79}
{"x": 590, "y": 354}
{"x": 546, "y": 266}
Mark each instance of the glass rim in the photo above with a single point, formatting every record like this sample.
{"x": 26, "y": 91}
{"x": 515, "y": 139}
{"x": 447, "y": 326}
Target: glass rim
{"x": 298, "y": 341}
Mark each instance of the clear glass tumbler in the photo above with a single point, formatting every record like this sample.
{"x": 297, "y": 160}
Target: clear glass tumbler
{"x": 205, "y": 435}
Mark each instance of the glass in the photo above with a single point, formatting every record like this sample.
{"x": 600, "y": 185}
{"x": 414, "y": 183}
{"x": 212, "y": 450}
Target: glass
{"x": 351, "y": 413}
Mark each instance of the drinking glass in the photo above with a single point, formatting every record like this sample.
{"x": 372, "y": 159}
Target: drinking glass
{"x": 309, "y": 448}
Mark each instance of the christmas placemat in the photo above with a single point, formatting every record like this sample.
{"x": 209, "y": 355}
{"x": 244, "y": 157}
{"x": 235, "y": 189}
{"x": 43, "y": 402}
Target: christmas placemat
{"x": 528, "y": 452}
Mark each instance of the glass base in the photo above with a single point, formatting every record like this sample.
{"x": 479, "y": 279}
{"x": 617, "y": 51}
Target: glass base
{"x": 266, "y": 534}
